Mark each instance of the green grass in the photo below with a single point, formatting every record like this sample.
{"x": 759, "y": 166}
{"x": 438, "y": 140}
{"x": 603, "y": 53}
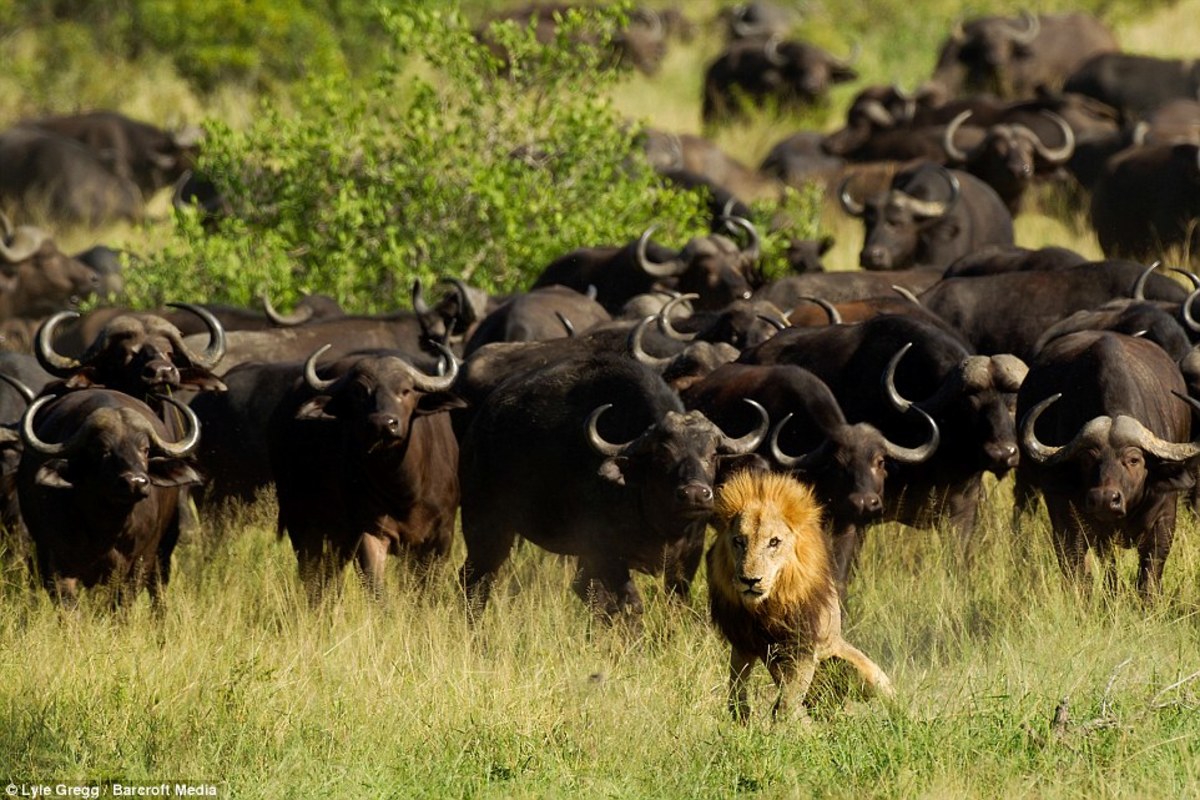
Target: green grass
{"x": 243, "y": 684}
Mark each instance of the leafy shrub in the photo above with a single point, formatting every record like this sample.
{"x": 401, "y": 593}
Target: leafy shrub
{"x": 446, "y": 163}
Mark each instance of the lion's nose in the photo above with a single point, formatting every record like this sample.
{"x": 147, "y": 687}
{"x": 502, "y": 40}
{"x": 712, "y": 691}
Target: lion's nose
{"x": 750, "y": 582}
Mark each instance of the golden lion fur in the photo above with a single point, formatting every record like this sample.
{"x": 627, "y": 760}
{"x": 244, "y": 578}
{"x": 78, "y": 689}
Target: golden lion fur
{"x": 795, "y": 620}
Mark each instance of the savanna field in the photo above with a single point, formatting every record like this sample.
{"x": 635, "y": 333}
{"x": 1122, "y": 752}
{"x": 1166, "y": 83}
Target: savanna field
{"x": 363, "y": 151}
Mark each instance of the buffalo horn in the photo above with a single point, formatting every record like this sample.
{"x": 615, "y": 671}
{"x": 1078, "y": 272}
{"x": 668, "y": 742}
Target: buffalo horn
{"x": 753, "y": 246}
{"x": 750, "y": 442}
{"x": 835, "y": 318}
{"x": 777, "y": 324}
{"x": 53, "y": 362}
{"x": 297, "y": 317}
{"x": 851, "y": 206}
{"x": 418, "y": 297}
{"x": 1063, "y": 151}
{"x": 930, "y": 208}
{"x": 635, "y": 346}
{"x": 598, "y": 443}
{"x": 31, "y": 440}
{"x": 190, "y": 439}
{"x": 667, "y": 269}
{"x": 25, "y": 241}
{"x": 310, "y": 370}
{"x": 1139, "y": 286}
{"x": 952, "y": 150}
{"x": 1010, "y": 372}
{"x": 19, "y": 387}
{"x": 1026, "y": 35}
{"x": 807, "y": 461}
{"x": 566, "y": 323}
{"x": 215, "y": 350}
{"x": 771, "y": 51}
{"x": 877, "y": 113}
{"x": 906, "y": 293}
{"x": 6, "y": 223}
{"x": 664, "y": 318}
{"x": 431, "y": 383}
{"x": 908, "y": 455}
{"x": 1188, "y": 319}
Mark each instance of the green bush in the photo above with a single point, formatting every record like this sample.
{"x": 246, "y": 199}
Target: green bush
{"x": 445, "y": 164}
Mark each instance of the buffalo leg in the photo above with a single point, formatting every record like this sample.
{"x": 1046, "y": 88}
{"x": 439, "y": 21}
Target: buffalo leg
{"x": 371, "y": 555}
{"x": 847, "y": 542}
{"x": 1152, "y": 554}
{"x": 485, "y": 555}
{"x": 1070, "y": 540}
{"x": 681, "y": 568}
{"x": 607, "y": 588}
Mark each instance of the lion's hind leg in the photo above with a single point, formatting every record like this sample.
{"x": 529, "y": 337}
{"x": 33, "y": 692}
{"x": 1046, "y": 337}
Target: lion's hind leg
{"x": 870, "y": 672}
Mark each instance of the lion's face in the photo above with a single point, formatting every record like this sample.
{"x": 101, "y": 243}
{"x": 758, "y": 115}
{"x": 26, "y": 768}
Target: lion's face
{"x": 761, "y": 546}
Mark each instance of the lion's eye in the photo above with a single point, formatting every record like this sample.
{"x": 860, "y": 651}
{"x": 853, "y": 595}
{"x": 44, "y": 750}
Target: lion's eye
{"x": 774, "y": 542}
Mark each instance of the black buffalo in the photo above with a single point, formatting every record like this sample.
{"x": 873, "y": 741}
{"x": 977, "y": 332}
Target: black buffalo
{"x": 1147, "y": 199}
{"x": 929, "y": 217}
{"x": 592, "y": 457}
{"x": 1105, "y": 437}
{"x": 99, "y": 483}
{"x": 1136, "y": 84}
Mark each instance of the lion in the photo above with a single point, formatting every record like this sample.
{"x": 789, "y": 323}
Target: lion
{"x": 772, "y": 592}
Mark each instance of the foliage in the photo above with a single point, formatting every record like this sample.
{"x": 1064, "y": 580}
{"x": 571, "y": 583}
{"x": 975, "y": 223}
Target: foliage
{"x": 454, "y": 163}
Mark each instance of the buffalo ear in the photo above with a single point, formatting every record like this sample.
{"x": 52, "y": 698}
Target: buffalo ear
{"x": 315, "y": 408}
{"x": 842, "y": 73}
{"x": 202, "y": 380}
{"x": 53, "y": 475}
{"x": 167, "y": 472}
{"x": 611, "y": 470}
{"x": 1172, "y": 476}
{"x": 825, "y": 245}
{"x": 434, "y": 402}
{"x": 84, "y": 379}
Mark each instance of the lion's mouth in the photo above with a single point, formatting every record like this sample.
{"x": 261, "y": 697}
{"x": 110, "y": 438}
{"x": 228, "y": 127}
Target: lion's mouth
{"x": 753, "y": 592}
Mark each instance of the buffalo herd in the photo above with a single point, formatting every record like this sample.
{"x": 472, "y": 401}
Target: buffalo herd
{"x": 597, "y": 414}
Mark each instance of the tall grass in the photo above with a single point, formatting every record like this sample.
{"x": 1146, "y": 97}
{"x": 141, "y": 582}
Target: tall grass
{"x": 243, "y": 684}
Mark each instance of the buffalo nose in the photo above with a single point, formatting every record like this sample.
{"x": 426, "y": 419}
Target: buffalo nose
{"x": 876, "y": 256}
{"x": 1003, "y": 454}
{"x": 160, "y": 373}
{"x": 867, "y": 503}
{"x": 139, "y": 485}
{"x": 1107, "y": 500}
{"x": 694, "y": 494}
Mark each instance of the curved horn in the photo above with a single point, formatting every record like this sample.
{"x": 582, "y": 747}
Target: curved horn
{"x": 215, "y": 351}
{"x": 958, "y": 33}
{"x": 835, "y": 318}
{"x": 908, "y": 455}
{"x": 849, "y": 204}
{"x": 1064, "y": 151}
{"x": 466, "y": 311}
{"x": 1038, "y": 451}
{"x": 19, "y": 387}
{"x": 771, "y": 51}
{"x": 667, "y": 269}
{"x": 31, "y": 440}
{"x": 6, "y": 223}
{"x": 664, "y": 318}
{"x": 310, "y": 370}
{"x": 592, "y": 292}
{"x": 1192, "y": 277}
{"x": 807, "y": 461}
{"x": 753, "y": 247}
{"x": 877, "y": 113}
{"x": 298, "y": 317}
{"x": 635, "y": 346}
{"x": 1186, "y": 308}
{"x": 1156, "y": 446}
{"x": 190, "y": 439}
{"x": 651, "y": 19}
{"x": 930, "y": 208}
{"x": 53, "y": 362}
{"x": 855, "y": 51}
{"x": 1026, "y": 35}
{"x": 25, "y": 241}
{"x": 566, "y": 323}
{"x": 1140, "y": 133}
{"x": 948, "y": 144}
{"x": 1009, "y": 371}
{"x": 777, "y": 324}
{"x": 750, "y": 442}
{"x": 598, "y": 442}
{"x": 418, "y": 297}
{"x": 906, "y": 293}
{"x": 1139, "y": 286}
{"x": 432, "y": 383}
